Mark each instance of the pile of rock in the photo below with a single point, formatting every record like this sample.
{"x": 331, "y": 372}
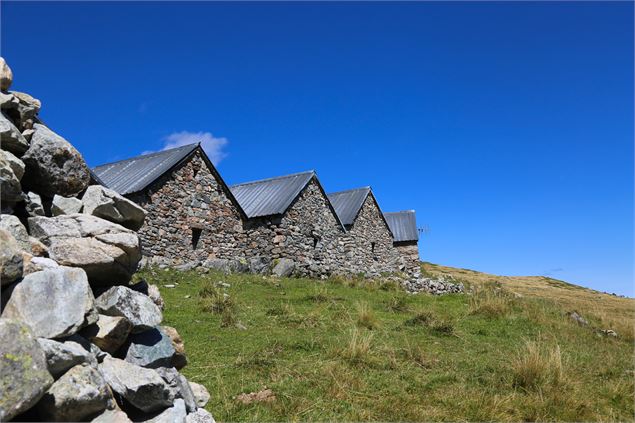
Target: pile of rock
{"x": 437, "y": 286}
{"x": 77, "y": 341}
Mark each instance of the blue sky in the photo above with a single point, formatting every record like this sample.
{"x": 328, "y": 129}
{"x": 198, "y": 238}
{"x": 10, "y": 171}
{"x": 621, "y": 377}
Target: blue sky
{"x": 507, "y": 126}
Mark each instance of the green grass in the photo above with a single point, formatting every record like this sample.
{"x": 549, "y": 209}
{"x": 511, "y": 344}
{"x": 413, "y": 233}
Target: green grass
{"x": 359, "y": 351}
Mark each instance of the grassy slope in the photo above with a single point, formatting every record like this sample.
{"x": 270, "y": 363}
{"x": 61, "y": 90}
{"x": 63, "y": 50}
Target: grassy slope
{"x": 348, "y": 351}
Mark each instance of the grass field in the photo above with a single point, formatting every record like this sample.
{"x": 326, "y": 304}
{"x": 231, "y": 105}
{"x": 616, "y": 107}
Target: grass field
{"x": 347, "y": 350}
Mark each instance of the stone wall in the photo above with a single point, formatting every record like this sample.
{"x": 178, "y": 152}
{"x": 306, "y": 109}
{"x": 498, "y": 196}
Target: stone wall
{"x": 188, "y": 201}
{"x": 409, "y": 252}
{"x": 368, "y": 244}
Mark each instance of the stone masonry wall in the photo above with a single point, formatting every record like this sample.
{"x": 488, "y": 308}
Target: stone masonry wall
{"x": 189, "y": 199}
{"x": 368, "y": 244}
{"x": 409, "y": 252}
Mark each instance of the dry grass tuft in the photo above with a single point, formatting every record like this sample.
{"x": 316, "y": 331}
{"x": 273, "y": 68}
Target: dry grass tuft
{"x": 358, "y": 349}
{"x": 537, "y": 368}
{"x": 432, "y": 322}
{"x": 397, "y": 304}
{"x": 320, "y": 295}
{"x": 213, "y": 300}
{"x": 490, "y": 302}
{"x": 366, "y": 317}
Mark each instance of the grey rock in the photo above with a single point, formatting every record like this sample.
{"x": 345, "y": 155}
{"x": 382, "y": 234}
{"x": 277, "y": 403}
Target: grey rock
{"x": 134, "y": 306}
{"x": 187, "y": 266}
{"x": 221, "y": 265}
{"x": 28, "y": 100}
{"x": 108, "y": 333}
{"x": 259, "y": 265}
{"x": 53, "y": 165}
{"x": 141, "y": 387}
{"x": 65, "y": 205}
{"x": 54, "y": 302}
{"x": 179, "y": 386}
{"x": 179, "y": 359}
{"x": 12, "y": 224}
{"x": 24, "y": 376}
{"x": 576, "y": 317}
{"x": 155, "y": 296}
{"x": 33, "y": 204}
{"x": 200, "y": 394}
{"x": 6, "y": 75}
{"x": 200, "y": 416}
{"x": 27, "y": 109}
{"x": 11, "y": 259}
{"x": 105, "y": 203}
{"x": 61, "y": 356}
{"x": 112, "y": 416}
{"x": 239, "y": 265}
{"x": 108, "y": 252}
{"x": 38, "y": 248}
{"x": 10, "y": 137}
{"x": 37, "y": 264}
{"x": 283, "y": 268}
{"x": 151, "y": 348}
{"x": 80, "y": 393}
{"x": 11, "y": 171}
{"x": 174, "y": 414}
{"x": 8, "y": 101}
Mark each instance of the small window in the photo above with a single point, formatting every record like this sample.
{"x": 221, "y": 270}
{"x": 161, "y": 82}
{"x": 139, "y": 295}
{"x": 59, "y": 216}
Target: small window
{"x": 372, "y": 247}
{"x": 316, "y": 241}
{"x": 196, "y": 235}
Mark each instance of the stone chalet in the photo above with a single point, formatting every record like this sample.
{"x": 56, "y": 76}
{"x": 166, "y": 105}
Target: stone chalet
{"x": 403, "y": 225}
{"x": 368, "y": 243}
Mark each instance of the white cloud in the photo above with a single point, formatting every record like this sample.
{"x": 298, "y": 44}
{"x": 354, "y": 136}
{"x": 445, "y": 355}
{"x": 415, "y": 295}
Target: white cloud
{"x": 214, "y": 147}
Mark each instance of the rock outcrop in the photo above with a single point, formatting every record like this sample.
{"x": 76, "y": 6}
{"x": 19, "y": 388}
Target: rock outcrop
{"x": 67, "y": 252}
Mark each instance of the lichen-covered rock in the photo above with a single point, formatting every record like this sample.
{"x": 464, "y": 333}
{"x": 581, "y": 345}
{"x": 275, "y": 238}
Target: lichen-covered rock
{"x": 134, "y": 306}
{"x": 179, "y": 386}
{"x": 283, "y": 268}
{"x": 200, "y": 394}
{"x": 11, "y": 172}
{"x": 108, "y": 252}
{"x": 141, "y": 387}
{"x": 105, "y": 203}
{"x": 65, "y": 205}
{"x": 23, "y": 374}
{"x": 10, "y": 137}
{"x": 155, "y": 295}
{"x": 6, "y": 75}
{"x": 151, "y": 348}
{"x": 11, "y": 259}
{"x": 80, "y": 393}
{"x": 53, "y": 165}
{"x": 112, "y": 416}
{"x": 174, "y": 414}
{"x": 54, "y": 302}
{"x": 12, "y": 224}
{"x": 61, "y": 356}
{"x": 37, "y": 264}
{"x": 179, "y": 360}
{"x": 108, "y": 333}
{"x": 200, "y": 416}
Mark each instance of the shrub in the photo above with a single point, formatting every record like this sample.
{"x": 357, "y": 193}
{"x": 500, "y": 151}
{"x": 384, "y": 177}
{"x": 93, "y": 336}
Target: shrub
{"x": 365, "y": 316}
{"x": 537, "y": 367}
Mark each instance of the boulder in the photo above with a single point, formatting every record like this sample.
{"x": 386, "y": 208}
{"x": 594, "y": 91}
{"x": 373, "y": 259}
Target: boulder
{"x": 201, "y": 395}
{"x": 37, "y": 264}
{"x": 38, "y": 248}
{"x": 108, "y": 252}
{"x": 8, "y": 101}
{"x": 24, "y": 376}
{"x": 10, "y": 137}
{"x": 283, "y": 268}
{"x": 6, "y": 76}
{"x": 65, "y": 205}
{"x": 33, "y": 204}
{"x": 134, "y": 306}
{"x": 27, "y": 109}
{"x": 28, "y": 100}
{"x": 11, "y": 259}
{"x": 11, "y": 172}
{"x": 105, "y": 203}
{"x": 112, "y": 416}
{"x": 174, "y": 414}
{"x": 259, "y": 265}
{"x": 155, "y": 296}
{"x": 179, "y": 360}
{"x": 54, "y": 302}
{"x": 61, "y": 356}
{"x": 80, "y": 393}
{"x": 200, "y": 416}
{"x": 53, "y": 165}
{"x": 221, "y": 265}
{"x": 108, "y": 333}
{"x": 151, "y": 348}
{"x": 12, "y": 224}
{"x": 179, "y": 386}
{"x": 141, "y": 387}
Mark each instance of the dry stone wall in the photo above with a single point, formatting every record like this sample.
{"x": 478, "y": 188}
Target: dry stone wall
{"x": 77, "y": 341}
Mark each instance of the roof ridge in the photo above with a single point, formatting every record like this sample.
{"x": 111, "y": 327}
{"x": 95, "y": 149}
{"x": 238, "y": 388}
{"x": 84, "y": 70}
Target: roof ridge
{"x": 306, "y": 172}
{"x": 401, "y": 211}
{"x": 147, "y": 155}
{"x": 367, "y": 187}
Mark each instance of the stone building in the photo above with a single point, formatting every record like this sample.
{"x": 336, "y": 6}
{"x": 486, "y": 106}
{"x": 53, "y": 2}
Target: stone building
{"x": 368, "y": 242}
{"x": 192, "y": 214}
{"x": 403, "y": 225}
{"x": 291, "y": 217}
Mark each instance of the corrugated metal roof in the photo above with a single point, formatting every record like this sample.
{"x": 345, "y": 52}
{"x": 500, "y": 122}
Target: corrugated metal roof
{"x": 348, "y": 203}
{"x": 135, "y": 174}
{"x": 271, "y": 196}
{"x": 403, "y": 225}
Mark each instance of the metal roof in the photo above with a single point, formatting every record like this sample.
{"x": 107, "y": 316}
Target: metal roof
{"x": 348, "y": 203}
{"x": 271, "y": 196}
{"x": 135, "y": 174}
{"x": 403, "y": 225}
